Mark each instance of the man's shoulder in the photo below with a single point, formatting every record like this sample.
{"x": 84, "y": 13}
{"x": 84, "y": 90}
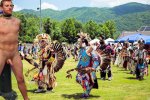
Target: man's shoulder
{"x": 16, "y": 19}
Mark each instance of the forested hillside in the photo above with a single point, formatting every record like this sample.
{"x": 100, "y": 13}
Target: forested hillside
{"x": 129, "y": 17}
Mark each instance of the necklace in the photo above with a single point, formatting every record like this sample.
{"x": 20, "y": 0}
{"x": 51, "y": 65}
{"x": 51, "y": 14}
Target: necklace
{"x": 7, "y": 16}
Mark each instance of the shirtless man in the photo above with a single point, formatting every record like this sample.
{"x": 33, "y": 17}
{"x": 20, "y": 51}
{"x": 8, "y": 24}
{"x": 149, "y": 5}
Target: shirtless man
{"x": 9, "y": 29}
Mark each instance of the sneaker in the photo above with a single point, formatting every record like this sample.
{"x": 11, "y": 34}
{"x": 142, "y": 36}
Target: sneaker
{"x": 40, "y": 91}
{"x": 109, "y": 78}
{"x": 102, "y": 78}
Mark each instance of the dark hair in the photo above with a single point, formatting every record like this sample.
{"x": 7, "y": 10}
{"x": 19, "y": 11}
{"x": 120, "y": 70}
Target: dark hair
{"x": 1, "y": 3}
{"x": 141, "y": 41}
{"x": 102, "y": 37}
{"x": 85, "y": 41}
{"x": 78, "y": 36}
{"x": 102, "y": 47}
{"x": 102, "y": 42}
{"x": 119, "y": 50}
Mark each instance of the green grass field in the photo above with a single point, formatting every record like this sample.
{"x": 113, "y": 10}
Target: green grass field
{"x": 124, "y": 86}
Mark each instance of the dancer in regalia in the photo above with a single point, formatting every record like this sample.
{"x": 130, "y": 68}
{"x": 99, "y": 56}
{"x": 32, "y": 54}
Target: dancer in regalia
{"x": 141, "y": 66}
{"x": 51, "y": 60}
{"x": 105, "y": 52}
{"x": 84, "y": 68}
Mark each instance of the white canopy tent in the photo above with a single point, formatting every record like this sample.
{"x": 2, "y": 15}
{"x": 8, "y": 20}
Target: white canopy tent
{"x": 109, "y": 40}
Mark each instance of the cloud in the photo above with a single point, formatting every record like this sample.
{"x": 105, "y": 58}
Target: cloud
{"x": 17, "y": 8}
{"x": 46, "y": 5}
{"x": 112, "y": 3}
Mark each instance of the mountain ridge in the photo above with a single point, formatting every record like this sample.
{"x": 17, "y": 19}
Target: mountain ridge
{"x": 100, "y": 15}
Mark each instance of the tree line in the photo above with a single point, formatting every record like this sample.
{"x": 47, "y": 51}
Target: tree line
{"x": 63, "y": 31}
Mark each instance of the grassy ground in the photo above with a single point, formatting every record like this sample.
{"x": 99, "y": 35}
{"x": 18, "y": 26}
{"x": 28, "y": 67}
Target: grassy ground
{"x": 124, "y": 86}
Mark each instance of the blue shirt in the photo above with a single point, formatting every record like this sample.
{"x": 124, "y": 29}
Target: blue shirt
{"x": 84, "y": 58}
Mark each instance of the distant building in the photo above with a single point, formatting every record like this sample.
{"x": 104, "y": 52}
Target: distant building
{"x": 145, "y": 30}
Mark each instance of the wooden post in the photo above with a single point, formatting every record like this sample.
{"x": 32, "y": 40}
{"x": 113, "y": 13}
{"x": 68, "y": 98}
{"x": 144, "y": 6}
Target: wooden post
{"x": 5, "y": 84}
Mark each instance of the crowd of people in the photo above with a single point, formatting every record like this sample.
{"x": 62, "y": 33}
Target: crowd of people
{"x": 97, "y": 55}
{"x": 92, "y": 55}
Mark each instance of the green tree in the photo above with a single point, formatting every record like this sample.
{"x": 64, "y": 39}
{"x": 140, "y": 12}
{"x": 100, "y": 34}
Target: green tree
{"x": 105, "y": 31}
{"x": 92, "y": 28}
{"x": 111, "y": 27}
{"x": 23, "y": 25}
{"x": 78, "y": 26}
{"x": 33, "y": 28}
{"x": 48, "y": 26}
{"x": 68, "y": 31}
{"x": 56, "y": 32}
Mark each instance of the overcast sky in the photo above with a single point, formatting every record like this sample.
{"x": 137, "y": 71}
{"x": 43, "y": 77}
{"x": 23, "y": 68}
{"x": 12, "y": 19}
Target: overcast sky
{"x": 65, "y": 4}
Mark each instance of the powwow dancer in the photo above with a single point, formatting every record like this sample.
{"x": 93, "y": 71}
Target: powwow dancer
{"x": 131, "y": 61}
{"x": 105, "y": 53}
{"x": 141, "y": 66}
{"x": 43, "y": 40}
{"x": 125, "y": 55}
{"x": 118, "y": 54}
{"x": 51, "y": 60}
{"x": 84, "y": 68}
{"x": 114, "y": 55}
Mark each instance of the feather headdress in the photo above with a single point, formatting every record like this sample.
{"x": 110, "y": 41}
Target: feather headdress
{"x": 42, "y": 36}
